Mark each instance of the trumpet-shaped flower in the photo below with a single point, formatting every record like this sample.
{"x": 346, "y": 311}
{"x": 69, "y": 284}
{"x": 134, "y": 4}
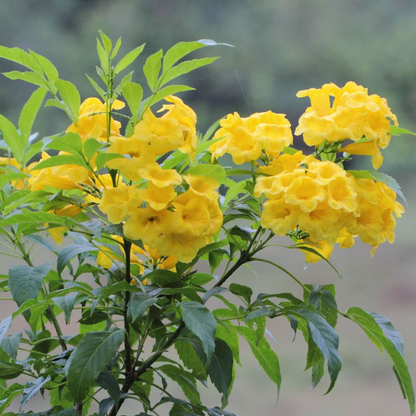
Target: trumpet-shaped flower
{"x": 156, "y": 197}
{"x": 161, "y": 178}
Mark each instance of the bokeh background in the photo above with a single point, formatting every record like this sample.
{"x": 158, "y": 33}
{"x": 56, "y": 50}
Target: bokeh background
{"x": 281, "y": 47}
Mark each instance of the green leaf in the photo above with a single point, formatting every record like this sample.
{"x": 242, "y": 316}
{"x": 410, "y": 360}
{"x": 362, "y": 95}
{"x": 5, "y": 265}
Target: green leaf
{"x": 266, "y": 357}
{"x": 396, "y": 130}
{"x": 325, "y": 338}
{"x": 29, "y": 112}
{"x": 30, "y": 77}
{"x": 151, "y": 69}
{"x": 47, "y": 66}
{"x": 103, "y": 158}
{"x": 10, "y": 345}
{"x": 212, "y": 171}
{"x": 163, "y": 278}
{"x": 97, "y": 88}
{"x": 324, "y": 303}
{"x": 9, "y": 177}
{"x": 164, "y": 92}
{"x": 380, "y": 177}
{"x": 128, "y": 59}
{"x": 382, "y": 333}
{"x": 200, "y": 279}
{"x": 9, "y": 371}
{"x": 21, "y": 57}
{"x": 66, "y": 303}
{"x": 61, "y": 160}
{"x": 184, "y": 68}
{"x": 26, "y": 281}
{"x": 4, "y": 326}
{"x": 103, "y": 57}
{"x": 107, "y": 381}
{"x": 138, "y": 305}
{"x": 31, "y": 389}
{"x": 240, "y": 290}
{"x": 70, "y": 143}
{"x": 91, "y": 146}
{"x": 184, "y": 379}
{"x": 69, "y": 252}
{"x": 92, "y": 355}
{"x": 36, "y": 217}
{"x": 70, "y": 96}
{"x": 191, "y": 360}
{"x": 133, "y": 93}
{"x": 199, "y": 320}
{"x": 220, "y": 369}
{"x": 229, "y": 335}
{"x": 236, "y": 172}
{"x": 12, "y": 137}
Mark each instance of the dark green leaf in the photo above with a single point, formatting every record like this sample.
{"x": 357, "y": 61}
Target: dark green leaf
{"x": 200, "y": 279}
{"x": 240, "y": 290}
{"x": 107, "y": 381}
{"x": 324, "y": 303}
{"x": 69, "y": 252}
{"x": 92, "y": 355}
{"x": 9, "y": 371}
{"x": 138, "y": 305}
{"x": 4, "y": 326}
{"x": 380, "y": 331}
{"x": 66, "y": 303}
{"x": 26, "y": 281}
{"x": 31, "y": 389}
{"x": 202, "y": 323}
{"x": 191, "y": 360}
{"x": 10, "y": 345}
{"x": 163, "y": 278}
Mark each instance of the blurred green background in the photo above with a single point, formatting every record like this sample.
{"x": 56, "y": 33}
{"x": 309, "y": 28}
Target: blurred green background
{"x": 281, "y": 47}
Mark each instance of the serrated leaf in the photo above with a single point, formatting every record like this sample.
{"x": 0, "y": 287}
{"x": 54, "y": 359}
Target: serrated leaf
{"x": 31, "y": 389}
{"x": 185, "y": 68}
{"x": 200, "y": 321}
{"x": 229, "y": 335}
{"x": 70, "y": 96}
{"x": 184, "y": 379}
{"x": 191, "y": 360}
{"x": 70, "y": 143}
{"x": 21, "y": 57}
{"x": 69, "y": 252}
{"x": 60, "y": 160}
{"x": 128, "y": 59}
{"x": 266, "y": 357}
{"x": 92, "y": 355}
{"x": 138, "y": 305}
{"x": 380, "y": 177}
{"x": 47, "y": 66}
{"x": 12, "y": 137}
{"x": 212, "y": 171}
{"x": 30, "y": 77}
{"x": 324, "y": 337}
{"x": 26, "y": 281}
{"x": 151, "y": 69}
{"x": 97, "y": 88}
{"x": 91, "y": 146}
{"x": 29, "y": 112}
{"x": 382, "y": 333}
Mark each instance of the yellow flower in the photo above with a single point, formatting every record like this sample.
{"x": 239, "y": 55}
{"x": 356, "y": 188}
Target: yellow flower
{"x": 116, "y": 202}
{"x": 370, "y": 148}
{"x": 341, "y": 194}
{"x": 323, "y": 248}
{"x": 92, "y": 120}
{"x": 162, "y": 134}
{"x": 157, "y": 198}
{"x": 243, "y": 147}
{"x": 279, "y": 216}
{"x": 304, "y": 192}
{"x": 138, "y": 155}
{"x": 161, "y": 178}
{"x": 203, "y": 185}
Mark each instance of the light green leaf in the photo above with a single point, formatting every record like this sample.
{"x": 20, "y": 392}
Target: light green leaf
{"x": 29, "y": 112}
{"x": 229, "y": 335}
{"x": 103, "y": 158}
{"x": 191, "y": 360}
{"x": 48, "y": 68}
{"x": 128, "y": 59}
{"x": 211, "y": 171}
{"x": 396, "y": 130}
{"x": 106, "y": 42}
{"x": 21, "y": 57}
{"x": 9, "y": 371}
{"x": 151, "y": 69}
{"x": 36, "y": 217}
{"x": 103, "y": 57}
{"x": 70, "y": 96}
{"x": 184, "y": 379}
{"x": 382, "y": 333}
{"x": 202, "y": 323}
{"x": 164, "y": 92}
{"x": 91, "y": 146}
{"x": 184, "y": 68}
{"x": 61, "y": 160}
{"x": 232, "y": 172}
{"x": 26, "y": 281}
{"x": 70, "y": 143}
{"x": 12, "y": 137}
{"x": 133, "y": 93}
{"x": 116, "y": 48}
{"x": 30, "y": 77}
{"x": 380, "y": 177}
{"x": 92, "y": 355}
{"x": 9, "y": 177}
{"x": 97, "y": 88}
{"x": 266, "y": 357}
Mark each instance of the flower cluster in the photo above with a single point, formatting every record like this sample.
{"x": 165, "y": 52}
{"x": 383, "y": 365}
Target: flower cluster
{"x": 262, "y": 135}
{"x": 319, "y": 202}
{"x": 337, "y": 114}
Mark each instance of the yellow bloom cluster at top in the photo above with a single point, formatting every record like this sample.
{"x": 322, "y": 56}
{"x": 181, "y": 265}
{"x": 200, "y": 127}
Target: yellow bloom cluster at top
{"x": 326, "y": 202}
{"x": 337, "y": 114}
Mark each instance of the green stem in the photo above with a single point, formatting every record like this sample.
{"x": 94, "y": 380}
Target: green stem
{"x": 127, "y": 346}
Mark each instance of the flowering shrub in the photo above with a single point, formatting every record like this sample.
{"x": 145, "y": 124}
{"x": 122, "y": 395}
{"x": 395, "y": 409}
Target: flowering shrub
{"x": 131, "y": 206}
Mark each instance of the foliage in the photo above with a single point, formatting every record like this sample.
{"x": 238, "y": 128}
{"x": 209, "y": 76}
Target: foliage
{"x": 130, "y": 218}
